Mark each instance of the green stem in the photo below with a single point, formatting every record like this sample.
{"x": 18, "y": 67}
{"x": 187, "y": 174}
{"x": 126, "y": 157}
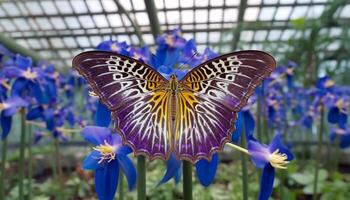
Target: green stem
{"x": 121, "y": 186}
{"x": 30, "y": 162}
{"x": 337, "y": 154}
{"x": 281, "y": 185}
{"x": 59, "y": 169}
{"x": 141, "y": 179}
{"x": 318, "y": 153}
{"x": 21, "y": 155}
{"x": 3, "y": 164}
{"x": 53, "y": 162}
{"x": 244, "y": 168}
{"x": 187, "y": 180}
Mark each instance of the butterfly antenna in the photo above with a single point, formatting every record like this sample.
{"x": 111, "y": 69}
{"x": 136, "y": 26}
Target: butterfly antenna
{"x": 186, "y": 62}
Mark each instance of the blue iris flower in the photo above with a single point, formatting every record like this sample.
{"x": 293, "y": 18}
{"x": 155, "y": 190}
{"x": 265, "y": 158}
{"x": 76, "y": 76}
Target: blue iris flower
{"x": 275, "y": 155}
{"x": 8, "y": 108}
{"x": 109, "y": 156}
{"x": 27, "y": 79}
{"x": 338, "y": 113}
{"x": 206, "y": 170}
{"x": 343, "y": 134}
{"x": 118, "y": 47}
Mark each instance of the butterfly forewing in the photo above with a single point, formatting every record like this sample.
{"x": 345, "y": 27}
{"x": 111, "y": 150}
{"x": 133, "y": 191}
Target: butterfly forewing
{"x": 209, "y": 97}
{"x": 136, "y": 95}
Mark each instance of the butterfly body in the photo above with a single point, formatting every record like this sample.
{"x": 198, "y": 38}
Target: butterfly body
{"x": 192, "y": 117}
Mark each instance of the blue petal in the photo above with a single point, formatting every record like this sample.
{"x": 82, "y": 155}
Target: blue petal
{"x": 10, "y": 111}
{"x": 345, "y": 141}
{"x": 239, "y": 124}
{"x": 266, "y": 182}
{"x": 34, "y": 113}
{"x": 173, "y": 166}
{"x": 333, "y": 115}
{"x": 343, "y": 118}
{"x": 259, "y": 153}
{"x": 249, "y": 123}
{"x": 106, "y": 180}
{"x": 102, "y": 116}
{"x": 125, "y": 150}
{"x": 6, "y": 124}
{"x": 129, "y": 170}
{"x": 37, "y": 92}
{"x": 95, "y": 134}
{"x": 178, "y": 175}
{"x": 206, "y": 170}
{"x": 18, "y": 86}
{"x": 91, "y": 161}
{"x": 23, "y": 62}
{"x": 276, "y": 143}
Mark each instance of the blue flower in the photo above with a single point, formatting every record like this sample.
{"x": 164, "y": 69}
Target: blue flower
{"x": 206, "y": 170}
{"x": 276, "y": 155}
{"x": 108, "y": 157}
{"x": 8, "y": 108}
{"x": 118, "y": 47}
{"x": 343, "y": 134}
{"x": 338, "y": 113}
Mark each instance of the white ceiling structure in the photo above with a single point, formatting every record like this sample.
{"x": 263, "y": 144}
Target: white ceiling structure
{"x": 59, "y": 29}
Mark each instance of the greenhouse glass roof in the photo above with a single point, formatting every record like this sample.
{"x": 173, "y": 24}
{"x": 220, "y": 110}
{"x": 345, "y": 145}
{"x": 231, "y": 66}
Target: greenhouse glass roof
{"x": 59, "y": 29}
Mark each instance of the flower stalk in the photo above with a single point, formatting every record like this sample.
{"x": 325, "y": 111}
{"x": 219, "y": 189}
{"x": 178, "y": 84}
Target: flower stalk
{"x": 30, "y": 161}
{"x": 318, "y": 152}
{"x": 59, "y": 168}
{"x": 187, "y": 180}
{"x": 22, "y": 154}
{"x": 244, "y": 167}
{"x": 141, "y": 179}
{"x": 121, "y": 186}
{"x": 3, "y": 165}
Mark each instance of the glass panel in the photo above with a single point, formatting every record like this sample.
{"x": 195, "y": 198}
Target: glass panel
{"x": 173, "y": 17}
{"x": 100, "y": 21}
{"x": 94, "y": 6}
{"x": 114, "y": 20}
{"x": 267, "y": 13}
{"x": 58, "y": 23}
{"x": 64, "y": 7}
{"x": 10, "y": 8}
{"x": 49, "y": 7}
{"x": 34, "y": 8}
{"x": 109, "y": 6}
{"x": 201, "y": 16}
{"x": 251, "y": 14}
{"x": 230, "y": 15}
{"x": 139, "y": 5}
{"x": 217, "y": 2}
{"x": 187, "y": 16}
{"x": 215, "y": 15}
{"x": 79, "y": 6}
{"x": 283, "y": 13}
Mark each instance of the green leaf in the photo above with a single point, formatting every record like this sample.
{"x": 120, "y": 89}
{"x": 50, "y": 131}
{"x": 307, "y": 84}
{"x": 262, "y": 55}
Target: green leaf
{"x": 302, "y": 178}
{"x": 309, "y": 189}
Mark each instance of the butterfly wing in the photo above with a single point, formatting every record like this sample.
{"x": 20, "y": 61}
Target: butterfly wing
{"x": 135, "y": 94}
{"x": 209, "y": 98}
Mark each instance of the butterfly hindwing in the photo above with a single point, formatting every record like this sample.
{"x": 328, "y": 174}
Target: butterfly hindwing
{"x": 135, "y": 94}
{"x": 210, "y": 95}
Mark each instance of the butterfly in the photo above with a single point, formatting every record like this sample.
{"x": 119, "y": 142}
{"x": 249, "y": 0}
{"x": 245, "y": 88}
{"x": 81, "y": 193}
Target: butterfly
{"x": 192, "y": 117}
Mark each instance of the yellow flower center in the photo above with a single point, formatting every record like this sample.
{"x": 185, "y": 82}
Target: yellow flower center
{"x": 290, "y": 71}
{"x": 3, "y": 106}
{"x": 170, "y": 40}
{"x": 107, "y": 152}
{"x": 329, "y": 83}
{"x": 278, "y": 160}
{"x": 115, "y": 47}
{"x": 30, "y": 74}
